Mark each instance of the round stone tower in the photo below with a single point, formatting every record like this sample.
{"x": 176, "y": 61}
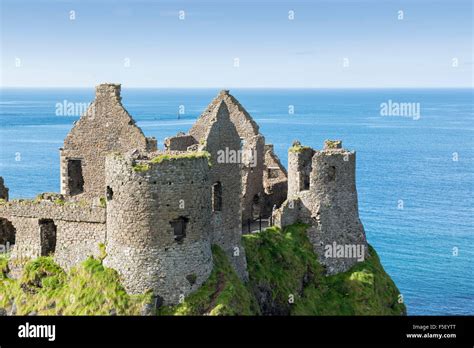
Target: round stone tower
{"x": 158, "y": 214}
{"x": 322, "y": 193}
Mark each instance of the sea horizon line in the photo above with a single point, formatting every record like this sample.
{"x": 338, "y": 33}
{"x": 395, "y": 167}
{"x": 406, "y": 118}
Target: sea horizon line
{"x": 248, "y": 88}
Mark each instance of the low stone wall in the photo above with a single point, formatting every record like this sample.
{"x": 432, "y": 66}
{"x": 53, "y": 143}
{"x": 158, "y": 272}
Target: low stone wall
{"x": 180, "y": 142}
{"x": 78, "y": 230}
{"x": 78, "y": 240}
{"x": 57, "y": 211}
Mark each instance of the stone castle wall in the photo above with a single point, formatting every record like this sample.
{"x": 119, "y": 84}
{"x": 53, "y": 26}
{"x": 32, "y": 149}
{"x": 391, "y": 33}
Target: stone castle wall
{"x": 143, "y": 210}
{"x": 275, "y": 181}
{"x": 180, "y": 142}
{"x": 159, "y": 213}
{"x": 299, "y": 169}
{"x": 221, "y": 140}
{"x": 253, "y": 148}
{"x": 105, "y": 127}
{"x": 78, "y": 230}
{"x": 328, "y": 204}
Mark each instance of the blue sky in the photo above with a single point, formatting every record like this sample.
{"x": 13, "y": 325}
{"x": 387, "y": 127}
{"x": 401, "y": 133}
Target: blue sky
{"x": 273, "y": 51}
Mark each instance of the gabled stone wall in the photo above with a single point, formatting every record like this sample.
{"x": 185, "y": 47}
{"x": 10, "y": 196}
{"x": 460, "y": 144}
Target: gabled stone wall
{"x": 253, "y": 149}
{"x": 222, "y": 142}
{"x": 106, "y": 127}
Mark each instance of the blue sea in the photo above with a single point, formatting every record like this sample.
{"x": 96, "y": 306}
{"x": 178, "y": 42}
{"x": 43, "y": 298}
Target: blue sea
{"x": 414, "y": 175}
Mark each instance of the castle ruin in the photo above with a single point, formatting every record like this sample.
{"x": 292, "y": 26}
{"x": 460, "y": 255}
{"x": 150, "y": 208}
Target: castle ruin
{"x": 158, "y": 212}
{"x": 322, "y": 193}
{"x": 264, "y": 179}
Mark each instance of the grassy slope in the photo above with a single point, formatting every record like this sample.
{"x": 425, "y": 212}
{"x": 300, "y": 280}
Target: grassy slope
{"x": 222, "y": 294}
{"x": 282, "y": 269}
{"x": 88, "y": 289}
{"x": 284, "y": 261}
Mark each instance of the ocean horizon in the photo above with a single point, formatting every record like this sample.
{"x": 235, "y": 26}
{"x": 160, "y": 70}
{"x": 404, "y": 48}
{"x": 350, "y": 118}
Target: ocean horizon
{"x": 414, "y": 172}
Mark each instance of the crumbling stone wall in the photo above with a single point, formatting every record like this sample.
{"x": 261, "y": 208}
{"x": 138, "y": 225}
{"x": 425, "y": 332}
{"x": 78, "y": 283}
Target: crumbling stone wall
{"x": 222, "y": 142}
{"x": 275, "y": 181}
{"x": 329, "y": 205}
{"x": 105, "y": 127}
{"x": 252, "y": 147}
{"x": 3, "y": 190}
{"x": 299, "y": 169}
{"x": 180, "y": 142}
{"x": 79, "y": 228}
{"x": 147, "y": 209}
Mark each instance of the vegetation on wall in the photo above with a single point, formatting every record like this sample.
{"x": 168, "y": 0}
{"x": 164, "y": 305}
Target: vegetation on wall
{"x": 285, "y": 278}
{"x": 145, "y": 166}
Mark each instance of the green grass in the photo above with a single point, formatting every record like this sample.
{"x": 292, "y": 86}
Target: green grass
{"x": 88, "y": 289}
{"x": 170, "y": 157}
{"x": 222, "y": 294}
{"x": 284, "y": 262}
{"x": 143, "y": 167}
{"x": 285, "y": 278}
{"x": 140, "y": 167}
{"x": 103, "y": 202}
{"x": 3, "y": 266}
{"x": 278, "y": 262}
{"x": 332, "y": 144}
{"x": 298, "y": 148}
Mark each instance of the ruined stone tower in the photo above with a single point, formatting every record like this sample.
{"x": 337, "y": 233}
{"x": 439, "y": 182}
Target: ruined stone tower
{"x": 105, "y": 127}
{"x": 158, "y": 223}
{"x": 322, "y": 193}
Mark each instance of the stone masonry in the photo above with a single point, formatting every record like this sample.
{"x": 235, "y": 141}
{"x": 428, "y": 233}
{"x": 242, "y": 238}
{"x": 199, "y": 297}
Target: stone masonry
{"x": 322, "y": 193}
{"x": 222, "y": 142}
{"x": 258, "y": 194}
{"x": 105, "y": 127}
{"x": 71, "y": 231}
{"x": 159, "y": 224}
{"x": 275, "y": 181}
{"x": 159, "y": 212}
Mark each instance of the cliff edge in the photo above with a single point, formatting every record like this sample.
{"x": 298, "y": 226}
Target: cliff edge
{"x": 285, "y": 278}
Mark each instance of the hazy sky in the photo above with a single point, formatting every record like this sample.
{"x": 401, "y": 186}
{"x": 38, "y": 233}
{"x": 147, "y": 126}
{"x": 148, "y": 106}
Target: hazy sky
{"x": 144, "y": 43}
